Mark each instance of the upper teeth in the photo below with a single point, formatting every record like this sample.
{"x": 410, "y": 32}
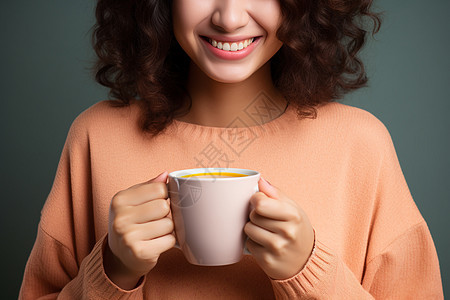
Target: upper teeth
{"x": 231, "y": 46}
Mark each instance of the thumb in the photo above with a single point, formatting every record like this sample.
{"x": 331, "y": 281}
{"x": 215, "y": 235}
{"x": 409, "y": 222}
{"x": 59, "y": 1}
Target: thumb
{"x": 160, "y": 178}
{"x": 268, "y": 189}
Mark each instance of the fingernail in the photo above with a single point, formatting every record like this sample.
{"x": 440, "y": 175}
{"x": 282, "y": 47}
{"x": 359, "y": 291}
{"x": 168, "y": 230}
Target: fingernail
{"x": 266, "y": 180}
{"x": 160, "y": 174}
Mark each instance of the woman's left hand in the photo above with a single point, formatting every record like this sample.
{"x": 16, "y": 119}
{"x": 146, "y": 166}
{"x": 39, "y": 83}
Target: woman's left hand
{"x": 281, "y": 237}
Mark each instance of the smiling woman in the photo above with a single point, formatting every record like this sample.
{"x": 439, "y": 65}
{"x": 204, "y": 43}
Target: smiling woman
{"x": 230, "y": 84}
{"x": 140, "y": 55}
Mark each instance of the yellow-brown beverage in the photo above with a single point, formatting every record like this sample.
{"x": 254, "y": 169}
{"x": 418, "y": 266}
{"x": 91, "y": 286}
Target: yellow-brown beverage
{"x": 215, "y": 175}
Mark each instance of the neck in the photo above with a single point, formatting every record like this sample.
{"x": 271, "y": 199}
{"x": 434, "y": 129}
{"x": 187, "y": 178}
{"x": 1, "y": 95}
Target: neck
{"x": 253, "y": 101}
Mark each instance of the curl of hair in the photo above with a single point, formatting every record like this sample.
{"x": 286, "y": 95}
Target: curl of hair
{"x": 139, "y": 57}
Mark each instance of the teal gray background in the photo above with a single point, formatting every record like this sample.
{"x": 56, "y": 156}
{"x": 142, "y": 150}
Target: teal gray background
{"x": 45, "y": 82}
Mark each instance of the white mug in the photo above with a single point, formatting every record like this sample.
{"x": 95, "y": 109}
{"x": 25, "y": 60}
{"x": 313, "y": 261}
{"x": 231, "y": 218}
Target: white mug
{"x": 210, "y": 207}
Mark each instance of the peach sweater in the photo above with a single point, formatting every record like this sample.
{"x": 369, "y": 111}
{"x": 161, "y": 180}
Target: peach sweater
{"x": 342, "y": 169}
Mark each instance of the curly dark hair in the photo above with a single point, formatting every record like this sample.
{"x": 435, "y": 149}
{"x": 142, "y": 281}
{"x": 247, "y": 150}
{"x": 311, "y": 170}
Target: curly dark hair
{"x": 139, "y": 57}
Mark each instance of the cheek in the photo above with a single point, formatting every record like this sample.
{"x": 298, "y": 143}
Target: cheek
{"x": 184, "y": 18}
{"x": 268, "y": 15}
{"x": 187, "y": 14}
{"x": 182, "y": 35}
{"x": 271, "y": 26}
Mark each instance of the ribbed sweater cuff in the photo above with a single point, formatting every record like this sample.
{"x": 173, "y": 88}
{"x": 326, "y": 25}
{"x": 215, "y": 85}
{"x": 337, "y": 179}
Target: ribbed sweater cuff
{"x": 306, "y": 281}
{"x": 97, "y": 279}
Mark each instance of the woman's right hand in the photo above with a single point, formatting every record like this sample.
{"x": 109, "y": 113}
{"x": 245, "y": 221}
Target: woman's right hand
{"x": 139, "y": 230}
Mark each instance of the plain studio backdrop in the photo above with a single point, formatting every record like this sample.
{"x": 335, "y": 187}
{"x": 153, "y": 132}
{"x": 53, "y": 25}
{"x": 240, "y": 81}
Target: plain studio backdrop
{"x": 45, "y": 82}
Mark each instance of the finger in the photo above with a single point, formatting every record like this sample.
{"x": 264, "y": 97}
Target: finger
{"x": 254, "y": 248}
{"x": 273, "y": 208}
{"x": 268, "y": 189}
{"x": 151, "y": 230}
{"x": 159, "y": 178}
{"x": 141, "y": 193}
{"x": 265, "y": 223}
{"x": 286, "y": 230}
{"x": 149, "y": 211}
{"x": 260, "y": 235}
{"x": 150, "y": 249}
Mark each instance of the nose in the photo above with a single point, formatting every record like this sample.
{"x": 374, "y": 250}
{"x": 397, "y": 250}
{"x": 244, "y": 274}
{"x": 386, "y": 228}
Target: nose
{"x": 230, "y": 15}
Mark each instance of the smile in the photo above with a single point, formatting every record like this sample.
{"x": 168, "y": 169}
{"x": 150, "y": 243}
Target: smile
{"x": 231, "y": 50}
{"x": 231, "y": 46}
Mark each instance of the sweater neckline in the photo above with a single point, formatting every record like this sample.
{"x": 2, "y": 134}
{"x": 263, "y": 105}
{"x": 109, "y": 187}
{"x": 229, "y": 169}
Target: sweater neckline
{"x": 270, "y": 127}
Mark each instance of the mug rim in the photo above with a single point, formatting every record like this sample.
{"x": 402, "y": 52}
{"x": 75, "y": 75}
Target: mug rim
{"x": 248, "y": 172}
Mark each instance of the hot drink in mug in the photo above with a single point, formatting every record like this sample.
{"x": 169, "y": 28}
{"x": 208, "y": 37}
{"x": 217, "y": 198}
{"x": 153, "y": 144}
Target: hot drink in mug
{"x": 210, "y": 207}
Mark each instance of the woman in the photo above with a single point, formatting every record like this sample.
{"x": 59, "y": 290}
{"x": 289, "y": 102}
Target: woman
{"x": 222, "y": 83}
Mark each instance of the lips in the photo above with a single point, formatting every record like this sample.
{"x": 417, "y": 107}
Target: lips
{"x": 230, "y": 48}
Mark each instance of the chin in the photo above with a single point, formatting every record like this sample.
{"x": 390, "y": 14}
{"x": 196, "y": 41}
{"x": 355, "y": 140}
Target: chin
{"x": 229, "y": 77}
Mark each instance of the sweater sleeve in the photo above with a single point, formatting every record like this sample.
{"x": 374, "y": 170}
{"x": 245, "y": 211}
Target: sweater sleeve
{"x": 407, "y": 269}
{"x": 324, "y": 276}
{"x": 401, "y": 260}
{"x": 52, "y": 273}
{"x": 66, "y": 261}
